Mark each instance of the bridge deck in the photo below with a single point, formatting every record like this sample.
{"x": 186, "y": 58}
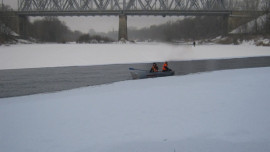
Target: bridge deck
{"x": 129, "y": 12}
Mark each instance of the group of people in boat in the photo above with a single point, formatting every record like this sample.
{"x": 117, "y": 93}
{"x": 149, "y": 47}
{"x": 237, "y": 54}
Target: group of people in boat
{"x": 165, "y": 67}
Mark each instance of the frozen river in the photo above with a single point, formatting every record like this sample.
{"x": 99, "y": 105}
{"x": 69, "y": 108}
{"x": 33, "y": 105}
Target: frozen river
{"x": 18, "y": 82}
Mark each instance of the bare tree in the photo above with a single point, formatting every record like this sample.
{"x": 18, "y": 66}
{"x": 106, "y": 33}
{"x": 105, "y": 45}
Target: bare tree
{"x": 252, "y": 9}
{"x": 5, "y": 23}
{"x": 266, "y": 9}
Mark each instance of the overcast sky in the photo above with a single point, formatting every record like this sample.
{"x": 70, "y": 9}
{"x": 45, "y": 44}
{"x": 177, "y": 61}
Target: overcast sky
{"x": 103, "y": 23}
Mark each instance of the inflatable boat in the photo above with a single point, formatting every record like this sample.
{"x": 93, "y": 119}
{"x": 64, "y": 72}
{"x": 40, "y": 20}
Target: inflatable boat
{"x": 142, "y": 74}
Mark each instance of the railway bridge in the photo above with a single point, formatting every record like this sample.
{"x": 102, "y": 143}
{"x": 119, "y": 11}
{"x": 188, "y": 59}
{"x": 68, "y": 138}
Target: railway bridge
{"x": 121, "y": 8}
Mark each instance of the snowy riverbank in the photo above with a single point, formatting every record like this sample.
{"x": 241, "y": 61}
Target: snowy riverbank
{"x": 55, "y": 55}
{"x": 208, "y": 112}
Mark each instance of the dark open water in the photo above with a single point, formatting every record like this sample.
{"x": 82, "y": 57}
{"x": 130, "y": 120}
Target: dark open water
{"x": 40, "y": 80}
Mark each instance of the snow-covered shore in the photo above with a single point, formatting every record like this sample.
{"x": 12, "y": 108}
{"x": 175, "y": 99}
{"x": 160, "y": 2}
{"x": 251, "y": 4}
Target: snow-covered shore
{"x": 208, "y": 112}
{"x": 55, "y": 55}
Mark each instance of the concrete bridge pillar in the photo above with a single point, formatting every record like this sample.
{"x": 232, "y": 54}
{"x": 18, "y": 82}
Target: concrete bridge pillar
{"x": 22, "y": 26}
{"x": 226, "y": 24}
{"x": 122, "y": 32}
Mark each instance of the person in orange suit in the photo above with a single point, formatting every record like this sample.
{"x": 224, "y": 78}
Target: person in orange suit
{"x": 165, "y": 67}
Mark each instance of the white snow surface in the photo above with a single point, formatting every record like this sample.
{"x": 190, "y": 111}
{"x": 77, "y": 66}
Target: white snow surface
{"x": 222, "y": 111}
{"x": 56, "y": 55}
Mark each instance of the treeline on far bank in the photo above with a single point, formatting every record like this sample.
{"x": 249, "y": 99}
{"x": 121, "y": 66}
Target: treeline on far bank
{"x": 188, "y": 28}
{"x": 51, "y": 29}
{"x": 47, "y": 29}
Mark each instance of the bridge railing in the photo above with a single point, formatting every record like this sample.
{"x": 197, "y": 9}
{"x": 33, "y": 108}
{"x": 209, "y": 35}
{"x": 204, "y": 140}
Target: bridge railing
{"x": 119, "y": 5}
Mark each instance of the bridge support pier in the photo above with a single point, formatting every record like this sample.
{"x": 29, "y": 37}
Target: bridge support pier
{"x": 225, "y": 25}
{"x": 122, "y": 32}
{"x": 22, "y": 26}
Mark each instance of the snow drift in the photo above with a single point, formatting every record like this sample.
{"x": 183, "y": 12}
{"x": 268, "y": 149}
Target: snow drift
{"x": 209, "y": 112}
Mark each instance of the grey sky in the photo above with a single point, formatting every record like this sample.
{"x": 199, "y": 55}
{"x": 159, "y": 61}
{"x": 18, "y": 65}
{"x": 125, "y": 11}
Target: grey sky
{"x": 103, "y": 23}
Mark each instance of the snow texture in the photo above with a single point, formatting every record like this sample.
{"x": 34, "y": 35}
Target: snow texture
{"x": 223, "y": 111}
{"x": 55, "y": 55}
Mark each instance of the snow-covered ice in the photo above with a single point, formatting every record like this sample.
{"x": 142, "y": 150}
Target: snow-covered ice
{"x": 222, "y": 111}
{"x": 207, "y": 112}
{"x": 55, "y": 55}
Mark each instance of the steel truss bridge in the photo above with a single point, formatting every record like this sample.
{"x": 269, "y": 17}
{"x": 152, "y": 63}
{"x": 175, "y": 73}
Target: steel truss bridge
{"x": 121, "y": 8}
{"x": 118, "y": 7}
